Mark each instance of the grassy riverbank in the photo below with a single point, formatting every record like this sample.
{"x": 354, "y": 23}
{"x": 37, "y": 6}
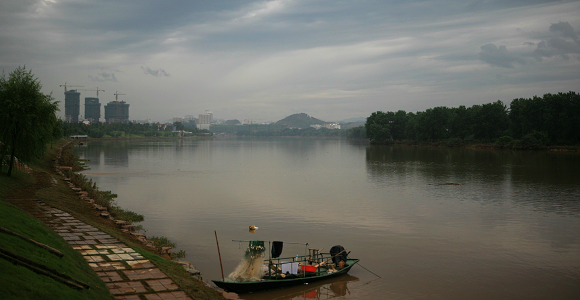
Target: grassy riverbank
{"x": 20, "y": 283}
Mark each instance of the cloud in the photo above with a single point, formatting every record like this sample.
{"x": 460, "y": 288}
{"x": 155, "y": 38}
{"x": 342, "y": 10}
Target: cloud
{"x": 102, "y": 77}
{"x": 563, "y": 42}
{"x": 156, "y": 73}
{"x": 565, "y": 29}
{"x": 499, "y": 57}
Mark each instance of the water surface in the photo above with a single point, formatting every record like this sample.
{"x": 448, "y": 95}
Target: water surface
{"x": 434, "y": 223}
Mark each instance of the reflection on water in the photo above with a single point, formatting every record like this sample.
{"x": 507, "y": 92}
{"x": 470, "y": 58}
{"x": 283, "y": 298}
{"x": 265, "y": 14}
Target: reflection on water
{"x": 325, "y": 289}
{"x": 432, "y": 222}
{"x": 548, "y": 179}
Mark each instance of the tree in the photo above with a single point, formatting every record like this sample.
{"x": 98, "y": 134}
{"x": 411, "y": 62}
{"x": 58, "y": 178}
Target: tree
{"x": 178, "y": 126}
{"x": 490, "y": 120}
{"x": 432, "y": 124}
{"x": 27, "y": 117}
{"x": 378, "y": 128}
{"x": 356, "y": 133}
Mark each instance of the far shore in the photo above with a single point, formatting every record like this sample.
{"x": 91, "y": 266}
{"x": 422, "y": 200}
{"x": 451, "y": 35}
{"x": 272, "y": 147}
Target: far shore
{"x": 465, "y": 144}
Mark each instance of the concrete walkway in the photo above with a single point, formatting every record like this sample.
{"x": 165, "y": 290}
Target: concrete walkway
{"x": 127, "y": 274}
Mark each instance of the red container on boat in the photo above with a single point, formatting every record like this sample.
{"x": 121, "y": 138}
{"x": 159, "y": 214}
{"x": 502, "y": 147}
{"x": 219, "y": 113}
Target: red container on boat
{"x": 311, "y": 269}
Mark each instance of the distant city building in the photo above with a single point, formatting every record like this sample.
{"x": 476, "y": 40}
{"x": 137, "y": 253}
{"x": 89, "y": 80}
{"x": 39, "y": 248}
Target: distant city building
{"x": 92, "y": 109}
{"x": 204, "y": 120}
{"x": 117, "y": 112}
{"x": 332, "y": 126}
{"x": 72, "y": 104}
{"x": 328, "y": 126}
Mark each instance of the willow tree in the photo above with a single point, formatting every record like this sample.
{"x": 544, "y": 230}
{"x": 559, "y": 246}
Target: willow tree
{"x": 27, "y": 118}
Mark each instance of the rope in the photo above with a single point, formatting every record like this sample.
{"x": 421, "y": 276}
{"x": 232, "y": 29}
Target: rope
{"x": 368, "y": 270}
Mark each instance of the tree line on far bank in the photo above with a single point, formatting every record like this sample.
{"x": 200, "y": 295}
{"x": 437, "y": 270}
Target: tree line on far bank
{"x": 295, "y": 132}
{"x": 533, "y": 123}
{"x": 100, "y": 130}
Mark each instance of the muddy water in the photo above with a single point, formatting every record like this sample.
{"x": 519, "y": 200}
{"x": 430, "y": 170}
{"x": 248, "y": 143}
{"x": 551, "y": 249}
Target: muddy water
{"x": 432, "y": 223}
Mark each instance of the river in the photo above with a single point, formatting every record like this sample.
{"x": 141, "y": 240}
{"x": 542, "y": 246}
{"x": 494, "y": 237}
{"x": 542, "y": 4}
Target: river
{"x": 433, "y": 223}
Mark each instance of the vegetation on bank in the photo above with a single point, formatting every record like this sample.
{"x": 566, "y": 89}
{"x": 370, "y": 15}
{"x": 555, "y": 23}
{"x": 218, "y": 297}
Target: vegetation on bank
{"x": 107, "y": 199}
{"x": 27, "y": 285}
{"x": 102, "y": 198}
{"x": 552, "y": 120}
{"x": 19, "y": 282}
{"x": 123, "y": 130}
{"x": 27, "y": 119}
{"x": 296, "y": 132}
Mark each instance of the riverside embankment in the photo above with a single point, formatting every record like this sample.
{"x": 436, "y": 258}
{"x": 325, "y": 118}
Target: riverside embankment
{"x": 127, "y": 264}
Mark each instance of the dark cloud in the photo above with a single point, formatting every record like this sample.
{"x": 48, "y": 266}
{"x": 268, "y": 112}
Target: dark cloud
{"x": 563, "y": 42}
{"x": 102, "y": 77}
{"x": 530, "y": 43}
{"x": 565, "y": 29}
{"x": 157, "y": 73}
{"x": 499, "y": 57}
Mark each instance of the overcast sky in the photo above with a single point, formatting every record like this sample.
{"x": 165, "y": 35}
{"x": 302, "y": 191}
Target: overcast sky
{"x": 265, "y": 60}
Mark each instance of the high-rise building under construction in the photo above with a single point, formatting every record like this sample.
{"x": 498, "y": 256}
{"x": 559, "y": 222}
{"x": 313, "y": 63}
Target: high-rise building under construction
{"x": 117, "y": 112}
{"x": 72, "y": 104}
{"x": 92, "y": 109}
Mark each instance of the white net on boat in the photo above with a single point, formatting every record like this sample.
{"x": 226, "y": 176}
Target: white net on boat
{"x": 251, "y": 267}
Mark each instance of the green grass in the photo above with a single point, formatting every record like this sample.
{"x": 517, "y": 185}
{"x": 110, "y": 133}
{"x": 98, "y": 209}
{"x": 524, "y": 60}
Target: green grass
{"x": 18, "y": 282}
{"x": 17, "y": 180}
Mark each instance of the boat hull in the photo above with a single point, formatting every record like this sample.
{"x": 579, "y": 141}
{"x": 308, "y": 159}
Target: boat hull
{"x": 270, "y": 284}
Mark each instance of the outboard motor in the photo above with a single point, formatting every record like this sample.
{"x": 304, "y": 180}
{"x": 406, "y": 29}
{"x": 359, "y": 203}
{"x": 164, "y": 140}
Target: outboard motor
{"x": 336, "y": 257}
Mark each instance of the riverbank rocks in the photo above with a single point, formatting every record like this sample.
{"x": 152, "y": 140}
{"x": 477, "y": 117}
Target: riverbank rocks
{"x": 190, "y": 269}
{"x": 120, "y": 222}
{"x": 128, "y": 227}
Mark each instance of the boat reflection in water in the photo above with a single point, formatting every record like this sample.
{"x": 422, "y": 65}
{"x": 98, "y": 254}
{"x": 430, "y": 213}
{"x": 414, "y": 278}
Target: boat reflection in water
{"x": 325, "y": 289}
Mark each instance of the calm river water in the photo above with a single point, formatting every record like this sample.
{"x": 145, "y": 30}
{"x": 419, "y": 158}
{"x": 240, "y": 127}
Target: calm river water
{"x": 433, "y": 223}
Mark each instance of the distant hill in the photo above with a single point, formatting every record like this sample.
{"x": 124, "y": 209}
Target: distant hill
{"x": 354, "y": 120}
{"x": 232, "y": 122}
{"x": 351, "y": 125}
{"x": 301, "y": 120}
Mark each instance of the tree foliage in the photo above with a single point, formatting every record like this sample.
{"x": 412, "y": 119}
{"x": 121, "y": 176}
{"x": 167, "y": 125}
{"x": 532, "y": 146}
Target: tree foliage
{"x": 527, "y": 123}
{"x": 27, "y": 117}
{"x": 99, "y": 130}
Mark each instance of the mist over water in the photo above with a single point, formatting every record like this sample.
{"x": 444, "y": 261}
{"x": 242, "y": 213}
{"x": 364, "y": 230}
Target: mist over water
{"x": 432, "y": 222}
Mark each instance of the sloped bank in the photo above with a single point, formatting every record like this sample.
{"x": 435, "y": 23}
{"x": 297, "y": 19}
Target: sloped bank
{"x": 88, "y": 204}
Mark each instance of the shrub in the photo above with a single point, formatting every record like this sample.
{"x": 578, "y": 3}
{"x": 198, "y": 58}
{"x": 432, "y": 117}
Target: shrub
{"x": 534, "y": 140}
{"x": 505, "y": 142}
{"x": 454, "y": 142}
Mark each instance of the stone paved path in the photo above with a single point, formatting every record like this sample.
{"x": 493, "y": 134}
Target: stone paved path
{"x": 127, "y": 274}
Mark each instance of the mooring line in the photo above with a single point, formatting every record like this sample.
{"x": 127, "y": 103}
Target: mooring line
{"x": 368, "y": 270}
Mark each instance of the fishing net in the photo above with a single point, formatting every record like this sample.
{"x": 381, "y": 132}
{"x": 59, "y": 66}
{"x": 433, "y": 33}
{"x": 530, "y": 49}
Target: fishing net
{"x": 251, "y": 267}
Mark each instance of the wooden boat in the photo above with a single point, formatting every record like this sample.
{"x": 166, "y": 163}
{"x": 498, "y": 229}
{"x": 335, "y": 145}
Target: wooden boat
{"x": 310, "y": 268}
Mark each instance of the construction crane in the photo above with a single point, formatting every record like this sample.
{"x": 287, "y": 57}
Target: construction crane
{"x": 65, "y": 85}
{"x": 96, "y": 90}
{"x": 117, "y": 95}
{"x": 117, "y": 100}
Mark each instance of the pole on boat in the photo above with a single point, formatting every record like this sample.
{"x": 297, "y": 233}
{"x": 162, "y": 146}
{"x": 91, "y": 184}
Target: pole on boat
{"x": 219, "y": 254}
